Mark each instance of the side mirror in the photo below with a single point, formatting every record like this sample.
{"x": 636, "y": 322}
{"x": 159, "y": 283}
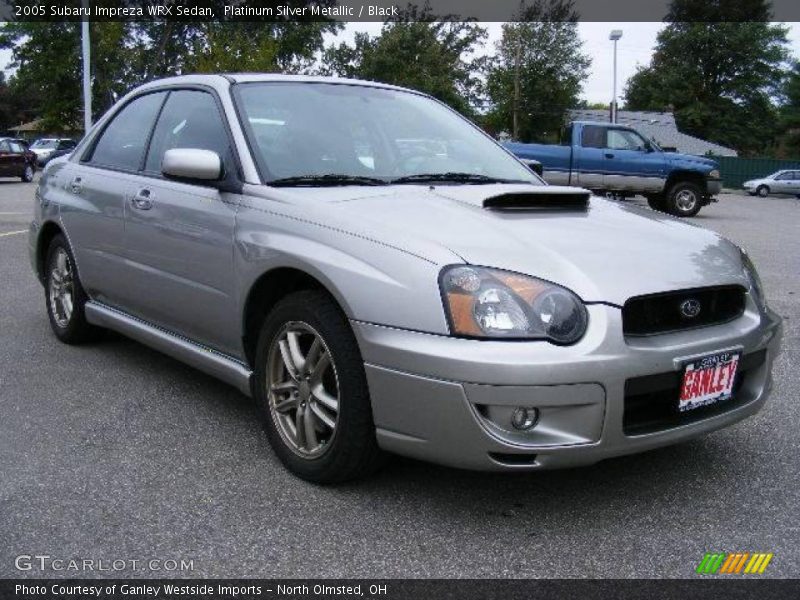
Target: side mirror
{"x": 192, "y": 163}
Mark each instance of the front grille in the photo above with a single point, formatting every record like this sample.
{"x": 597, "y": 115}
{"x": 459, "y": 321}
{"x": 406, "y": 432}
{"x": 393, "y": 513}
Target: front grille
{"x": 651, "y": 402}
{"x": 670, "y": 311}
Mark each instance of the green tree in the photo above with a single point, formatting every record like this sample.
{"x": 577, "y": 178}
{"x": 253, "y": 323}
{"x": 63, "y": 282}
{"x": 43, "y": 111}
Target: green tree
{"x": 790, "y": 113}
{"x": 719, "y": 78}
{"x": 419, "y": 51}
{"x": 538, "y": 71}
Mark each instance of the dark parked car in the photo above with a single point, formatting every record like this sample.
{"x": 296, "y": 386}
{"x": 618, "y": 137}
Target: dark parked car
{"x": 16, "y": 160}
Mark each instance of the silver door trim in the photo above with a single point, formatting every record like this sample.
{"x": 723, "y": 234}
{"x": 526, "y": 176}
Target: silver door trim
{"x": 208, "y": 360}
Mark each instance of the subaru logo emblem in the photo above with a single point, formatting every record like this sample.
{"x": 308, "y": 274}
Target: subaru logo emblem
{"x": 690, "y": 308}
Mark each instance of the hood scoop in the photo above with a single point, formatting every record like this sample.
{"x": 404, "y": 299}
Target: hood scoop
{"x": 572, "y": 200}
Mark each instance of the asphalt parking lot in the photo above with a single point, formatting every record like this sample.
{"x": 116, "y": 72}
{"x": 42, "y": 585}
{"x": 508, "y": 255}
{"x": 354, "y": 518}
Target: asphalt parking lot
{"x": 113, "y": 451}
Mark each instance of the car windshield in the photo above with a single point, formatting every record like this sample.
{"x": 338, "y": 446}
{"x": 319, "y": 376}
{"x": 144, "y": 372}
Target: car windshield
{"x": 307, "y": 133}
{"x": 44, "y": 144}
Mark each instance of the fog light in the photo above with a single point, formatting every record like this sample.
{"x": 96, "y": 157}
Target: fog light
{"x": 524, "y": 418}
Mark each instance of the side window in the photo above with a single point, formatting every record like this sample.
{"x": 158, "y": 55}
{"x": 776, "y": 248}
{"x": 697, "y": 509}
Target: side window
{"x": 4, "y": 146}
{"x": 593, "y": 136}
{"x": 783, "y": 176}
{"x": 121, "y": 145}
{"x": 16, "y": 148}
{"x": 622, "y": 139}
{"x": 190, "y": 119}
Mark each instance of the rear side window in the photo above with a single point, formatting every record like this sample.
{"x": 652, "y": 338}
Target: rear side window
{"x": 190, "y": 119}
{"x": 15, "y": 147}
{"x": 122, "y": 143}
{"x": 593, "y": 137}
{"x": 4, "y": 146}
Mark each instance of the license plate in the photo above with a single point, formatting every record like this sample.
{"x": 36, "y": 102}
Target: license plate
{"x": 708, "y": 380}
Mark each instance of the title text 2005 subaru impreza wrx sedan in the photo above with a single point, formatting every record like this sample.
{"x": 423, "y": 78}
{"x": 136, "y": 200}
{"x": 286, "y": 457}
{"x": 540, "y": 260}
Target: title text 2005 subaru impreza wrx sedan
{"x": 382, "y": 276}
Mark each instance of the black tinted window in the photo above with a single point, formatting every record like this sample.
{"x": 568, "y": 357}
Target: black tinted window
{"x": 122, "y": 143}
{"x": 190, "y": 119}
{"x": 593, "y": 137}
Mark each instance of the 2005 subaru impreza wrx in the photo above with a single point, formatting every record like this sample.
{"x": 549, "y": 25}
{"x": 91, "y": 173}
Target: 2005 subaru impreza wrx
{"x": 382, "y": 276}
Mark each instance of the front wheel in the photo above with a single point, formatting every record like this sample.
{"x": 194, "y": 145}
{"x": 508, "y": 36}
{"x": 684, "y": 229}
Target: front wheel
{"x": 684, "y": 199}
{"x": 657, "y": 203}
{"x": 762, "y": 191}
{"x": 311, "y": 391}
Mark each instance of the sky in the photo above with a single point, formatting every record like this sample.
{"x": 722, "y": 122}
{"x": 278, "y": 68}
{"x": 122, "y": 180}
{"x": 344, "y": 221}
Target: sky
{"x": 635, "y": 48}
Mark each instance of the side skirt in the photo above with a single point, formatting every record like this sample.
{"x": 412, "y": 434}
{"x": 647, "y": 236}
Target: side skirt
{"x": 200, "y": 357}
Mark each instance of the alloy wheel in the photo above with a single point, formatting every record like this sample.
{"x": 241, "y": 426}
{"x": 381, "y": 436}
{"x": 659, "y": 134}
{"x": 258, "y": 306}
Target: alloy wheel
{"x": 686, "y": 200}
{"x": 61, "y": 289}
{"x": 303, "y": 389}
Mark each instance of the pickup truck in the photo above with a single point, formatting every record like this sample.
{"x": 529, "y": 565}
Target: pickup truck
{"x": 612, "y": 158}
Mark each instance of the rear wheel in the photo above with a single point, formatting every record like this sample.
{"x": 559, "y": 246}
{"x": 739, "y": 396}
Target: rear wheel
{"x": 311, "y": 391}
{"x": 64, "y": 295}
{"x": 684, "y": 199}
{"x": 27, "y": 174}
{"x": 762, "y": 191}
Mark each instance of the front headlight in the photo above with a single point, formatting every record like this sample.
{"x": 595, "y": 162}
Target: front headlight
{"x": 756, "y": 288}
{"x": 490, "y": 303}
{"x": 714, "y": 174}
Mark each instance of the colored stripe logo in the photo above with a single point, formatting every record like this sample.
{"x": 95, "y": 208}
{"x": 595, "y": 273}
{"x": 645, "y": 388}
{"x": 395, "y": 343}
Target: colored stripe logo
{"x": 734, "y": 563}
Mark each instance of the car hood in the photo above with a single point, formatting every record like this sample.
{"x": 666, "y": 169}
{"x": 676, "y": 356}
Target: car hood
{"x": 691, "y": 158}
{"x": 607, "y": 252}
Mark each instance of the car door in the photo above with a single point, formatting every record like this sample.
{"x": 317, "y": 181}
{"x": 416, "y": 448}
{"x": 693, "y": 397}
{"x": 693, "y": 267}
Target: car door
{"x": 782, "y": 183}
{"x": 588, "y": 161}
{"x": 95, "y": 192}
{"x": 630, "y": 164}
{"x": 179, "y": 234}
{"x": 794, "y": 183}
{"x": 6, "y": 160}
{"x": 17, "y": 158}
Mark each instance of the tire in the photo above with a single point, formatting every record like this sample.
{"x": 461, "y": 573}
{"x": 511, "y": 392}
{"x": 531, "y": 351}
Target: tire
{"x": 657, "y": 203}
{"x": 320, "y": 453}
{"x": 68, "y": 324}
{"x": 27, "y": 174}
{"x": 762, "y": 191}
{"x": 684, "y": 199}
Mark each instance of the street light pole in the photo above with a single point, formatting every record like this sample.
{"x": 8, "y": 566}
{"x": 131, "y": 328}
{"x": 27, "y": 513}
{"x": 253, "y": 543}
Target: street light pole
{"x": 615, "y": 35}
{"x": 87, "y": 81}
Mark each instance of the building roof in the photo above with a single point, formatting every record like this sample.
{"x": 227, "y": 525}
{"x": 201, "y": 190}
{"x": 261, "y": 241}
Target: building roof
{"x": 660, "y": 126}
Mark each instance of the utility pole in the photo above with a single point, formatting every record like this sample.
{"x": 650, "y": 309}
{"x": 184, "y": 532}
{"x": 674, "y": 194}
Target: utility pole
{"x": 615, "y": 35}
{"x": 87, "y": 78}
{"x": 517, "y": 61}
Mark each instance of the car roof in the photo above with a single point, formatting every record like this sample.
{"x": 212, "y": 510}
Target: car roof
{"x": 227, "y": 79}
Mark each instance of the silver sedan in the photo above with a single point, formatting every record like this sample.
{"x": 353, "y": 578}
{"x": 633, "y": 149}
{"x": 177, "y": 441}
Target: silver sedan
{"x": 382, "y": 277}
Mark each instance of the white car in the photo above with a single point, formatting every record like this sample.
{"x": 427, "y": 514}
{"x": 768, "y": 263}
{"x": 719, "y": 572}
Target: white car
{"x": 44, "y": 147}
{"x": 780, "y": 182}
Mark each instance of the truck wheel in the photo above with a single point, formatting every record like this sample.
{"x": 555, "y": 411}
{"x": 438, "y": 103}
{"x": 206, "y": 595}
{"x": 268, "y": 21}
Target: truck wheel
{"x": 311, "y": 391}
{"x": 684, "y": 199}
{"x": 657, "y": 203}
{"x": 64, "y": 295}
{"x": 762, "y": 191}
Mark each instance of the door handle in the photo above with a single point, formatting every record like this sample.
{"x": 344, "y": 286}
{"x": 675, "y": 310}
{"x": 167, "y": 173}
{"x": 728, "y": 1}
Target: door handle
{"x": 75, "y": 186}
{"x": 609, "y": 155}
{"x": 142, "y": 200}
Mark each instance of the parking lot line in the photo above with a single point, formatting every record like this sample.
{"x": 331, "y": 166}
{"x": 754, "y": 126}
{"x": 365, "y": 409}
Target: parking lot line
{"x": 7, "y": 233}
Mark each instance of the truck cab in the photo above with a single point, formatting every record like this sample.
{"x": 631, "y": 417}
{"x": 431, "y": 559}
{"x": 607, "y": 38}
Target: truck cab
{"x": 612, "y": 158}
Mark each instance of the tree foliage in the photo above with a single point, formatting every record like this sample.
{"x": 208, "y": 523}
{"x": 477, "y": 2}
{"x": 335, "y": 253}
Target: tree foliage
{"x": 124, "y": 54}
{"x": 419, "y": 51}
{"x": 720, "y": 78}
{"x": 790, "y": 113}
{"x": 538, "y": 71}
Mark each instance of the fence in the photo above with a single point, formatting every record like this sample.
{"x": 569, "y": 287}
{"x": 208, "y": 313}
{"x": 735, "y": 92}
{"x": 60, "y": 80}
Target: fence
{"x": 736, "y": 171}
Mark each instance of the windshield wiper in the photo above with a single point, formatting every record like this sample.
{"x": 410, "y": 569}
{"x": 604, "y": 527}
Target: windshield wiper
{"x": 473, "y": 178}
{"x": 329, "y": 179}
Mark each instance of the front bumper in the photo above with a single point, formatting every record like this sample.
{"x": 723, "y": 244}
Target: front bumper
{"x": 713, "y": 186}
{"x": 447, "y": 400}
